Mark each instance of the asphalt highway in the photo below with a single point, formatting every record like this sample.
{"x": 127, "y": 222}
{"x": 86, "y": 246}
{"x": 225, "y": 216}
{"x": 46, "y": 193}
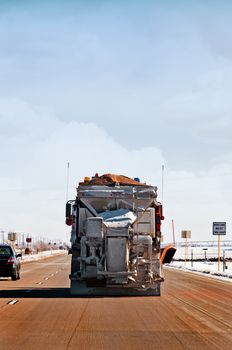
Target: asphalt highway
{"x": 37, "y": 312}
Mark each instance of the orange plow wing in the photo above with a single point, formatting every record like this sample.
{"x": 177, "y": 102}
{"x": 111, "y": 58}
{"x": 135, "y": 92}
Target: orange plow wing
{"x": 167, "y": 254}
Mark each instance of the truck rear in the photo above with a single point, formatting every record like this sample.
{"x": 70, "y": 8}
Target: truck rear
{"x": 115, "y": 237}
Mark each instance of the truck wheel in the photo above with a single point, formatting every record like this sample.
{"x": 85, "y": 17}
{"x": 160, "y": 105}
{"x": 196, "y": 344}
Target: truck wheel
{"x": 78, "y": 288}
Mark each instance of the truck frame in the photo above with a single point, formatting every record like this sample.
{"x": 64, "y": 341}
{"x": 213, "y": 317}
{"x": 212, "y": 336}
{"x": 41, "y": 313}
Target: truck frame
{"x": 115, "y": 237}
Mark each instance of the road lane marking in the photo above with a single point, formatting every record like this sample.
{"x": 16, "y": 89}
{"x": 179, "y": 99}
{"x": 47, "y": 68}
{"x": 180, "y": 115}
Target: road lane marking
{"x": 47, "y": 278}
{"x": 39, "y": 283}
{"x": 12, "y": 302}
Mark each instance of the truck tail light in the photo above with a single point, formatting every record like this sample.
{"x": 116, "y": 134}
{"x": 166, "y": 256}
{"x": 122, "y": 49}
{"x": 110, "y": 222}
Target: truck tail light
{"x": 159, "y": 217}
{"x": 69, "y": 221}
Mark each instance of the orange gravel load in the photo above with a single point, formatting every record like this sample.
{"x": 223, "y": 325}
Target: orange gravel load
{"x": 112, "y": 179}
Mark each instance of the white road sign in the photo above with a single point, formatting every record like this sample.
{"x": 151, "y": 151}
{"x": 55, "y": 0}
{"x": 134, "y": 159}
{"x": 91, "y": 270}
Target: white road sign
{"x": 219, "y": 228}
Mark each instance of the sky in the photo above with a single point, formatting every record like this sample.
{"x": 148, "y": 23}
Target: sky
{"x": 115, "y": 86}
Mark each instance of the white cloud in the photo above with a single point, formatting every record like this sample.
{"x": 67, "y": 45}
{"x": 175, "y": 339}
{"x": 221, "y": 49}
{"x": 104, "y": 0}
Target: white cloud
{"x": 150, "y": 72}
{"x": 112, "y": 85}
{"x": 33, "y": 181}
{"x": 38, "y": 148}
{"x": 195, "y": 200}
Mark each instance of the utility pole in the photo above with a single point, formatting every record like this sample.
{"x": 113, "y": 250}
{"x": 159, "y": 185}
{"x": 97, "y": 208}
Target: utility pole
{"x": 162, "y": 184}
{"x": 67, "y": 188}
{"x": 173, "y": 233}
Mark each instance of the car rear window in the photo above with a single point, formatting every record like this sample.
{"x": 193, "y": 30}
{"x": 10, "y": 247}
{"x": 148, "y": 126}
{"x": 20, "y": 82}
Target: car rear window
{"x": 5, "y": 251}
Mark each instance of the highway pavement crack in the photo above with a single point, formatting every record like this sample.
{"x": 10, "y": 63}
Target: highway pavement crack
{"x": 79, "y": 321}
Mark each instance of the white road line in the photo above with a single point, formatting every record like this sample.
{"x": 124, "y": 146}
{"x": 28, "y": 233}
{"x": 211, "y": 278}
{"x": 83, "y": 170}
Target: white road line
{"x": 40, "y": 283}
{"x": 47, "y": 278}
{"x": 12, "y": 302}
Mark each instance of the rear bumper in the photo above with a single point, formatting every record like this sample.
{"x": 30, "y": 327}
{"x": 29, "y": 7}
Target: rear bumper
{"x": 81, "y": 288}
{"x": 7, "y": 271}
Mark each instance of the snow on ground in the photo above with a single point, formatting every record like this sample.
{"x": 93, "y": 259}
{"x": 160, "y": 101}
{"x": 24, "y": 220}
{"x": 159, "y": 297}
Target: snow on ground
{"x": 210, "y": 252}
{"x": 41, "y": 255}
{"x": 205, "y": 253}
{"x": 208, "y": 268}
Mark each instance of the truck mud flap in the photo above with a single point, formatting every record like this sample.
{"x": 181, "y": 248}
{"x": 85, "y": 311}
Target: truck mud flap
{"x": 80, "y": 288}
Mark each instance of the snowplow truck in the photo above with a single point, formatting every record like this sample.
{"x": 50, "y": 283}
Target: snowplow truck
{"x": 115, "y": 237}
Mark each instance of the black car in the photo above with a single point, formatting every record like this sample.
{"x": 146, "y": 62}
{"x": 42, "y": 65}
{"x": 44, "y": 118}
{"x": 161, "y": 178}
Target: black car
{"x": 9, "y": 262}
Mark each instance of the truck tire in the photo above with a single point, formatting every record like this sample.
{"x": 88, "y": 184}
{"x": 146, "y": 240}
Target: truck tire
{"x": 78, "y": 287}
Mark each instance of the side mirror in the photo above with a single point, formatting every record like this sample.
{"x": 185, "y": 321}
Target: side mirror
{"x": 70, "y": 251}
{"x": 68, "y": 210}
{"x": 18, "y": 255}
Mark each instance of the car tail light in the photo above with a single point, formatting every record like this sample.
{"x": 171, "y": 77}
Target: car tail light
{"x": 11, "y": 261}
